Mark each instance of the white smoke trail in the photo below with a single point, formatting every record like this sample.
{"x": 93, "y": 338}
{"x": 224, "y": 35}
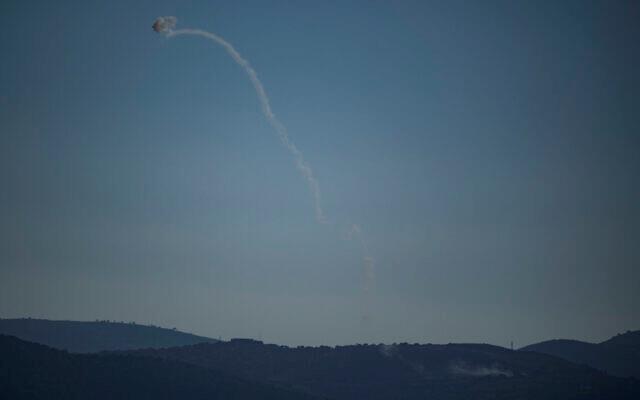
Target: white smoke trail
{"x": 355, "y": 232}
{"x": 166, "y": 25}
{"x": 280, "y": 129}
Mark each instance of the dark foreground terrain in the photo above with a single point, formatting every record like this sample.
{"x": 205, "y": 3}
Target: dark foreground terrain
{"x": 33, "y": 371}
{"x": 618, "y": 356}
{"x": 141, "y": 364}
{"x": 406, "y": 371}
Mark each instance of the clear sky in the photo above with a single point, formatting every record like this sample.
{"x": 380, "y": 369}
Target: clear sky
{"x": 488, "y": 150}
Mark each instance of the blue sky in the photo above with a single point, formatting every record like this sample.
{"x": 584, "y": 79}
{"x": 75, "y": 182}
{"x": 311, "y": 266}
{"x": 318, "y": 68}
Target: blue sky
{"x": 489, "y": 152}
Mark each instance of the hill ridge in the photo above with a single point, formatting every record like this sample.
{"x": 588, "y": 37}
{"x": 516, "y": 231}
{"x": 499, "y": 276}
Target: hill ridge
{"x": 95, "y": 336}
{"x": 618, "y": 355}
{"x": 35, "y": 371}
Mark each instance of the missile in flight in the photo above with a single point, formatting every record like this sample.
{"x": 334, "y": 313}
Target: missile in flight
{"x": 164, "y": 24}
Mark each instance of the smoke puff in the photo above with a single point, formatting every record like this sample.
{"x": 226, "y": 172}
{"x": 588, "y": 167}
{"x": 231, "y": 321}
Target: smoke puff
{"x": 164, "y": 24}
{"x": 461, "y": 368}
{"x": 388, "y": 350}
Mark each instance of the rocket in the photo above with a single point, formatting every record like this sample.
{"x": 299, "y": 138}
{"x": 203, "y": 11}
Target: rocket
{"x": 164, "y": 24}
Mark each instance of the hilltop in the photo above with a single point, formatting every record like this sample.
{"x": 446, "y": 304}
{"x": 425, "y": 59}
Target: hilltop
{"x": 89, "y": 337}
{"x": 34, "y": 371}
{"x": 619, "y": 355}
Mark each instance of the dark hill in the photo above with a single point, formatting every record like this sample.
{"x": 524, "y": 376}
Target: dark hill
{"x": 629, "y": 339}
{"x": 89, "y": 337}
{"x": 405, "y": 371}
{"x": 618, "y": 356}
{"x": 33, "y": 371}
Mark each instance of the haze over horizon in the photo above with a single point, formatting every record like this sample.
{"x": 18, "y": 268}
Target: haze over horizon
{"x": 489, "y": 152}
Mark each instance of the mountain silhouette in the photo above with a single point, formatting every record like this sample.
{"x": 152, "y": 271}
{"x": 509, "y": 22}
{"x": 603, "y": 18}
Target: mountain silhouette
{"x": 618, "y": 356}
{"x": 406, "y": 371}
{"x": 89, "y": 337}
{"x": 140, "y": 363}
{"x": 33, "y": 371}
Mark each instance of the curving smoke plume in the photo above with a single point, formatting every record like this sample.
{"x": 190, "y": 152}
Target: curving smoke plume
{"x": 166, "y": 25}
